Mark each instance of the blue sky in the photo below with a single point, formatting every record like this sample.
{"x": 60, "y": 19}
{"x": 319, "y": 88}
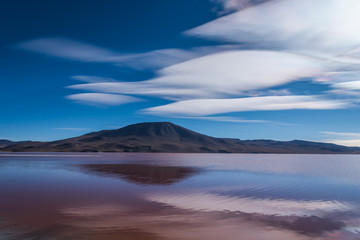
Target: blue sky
{"x": 276, "y": 69}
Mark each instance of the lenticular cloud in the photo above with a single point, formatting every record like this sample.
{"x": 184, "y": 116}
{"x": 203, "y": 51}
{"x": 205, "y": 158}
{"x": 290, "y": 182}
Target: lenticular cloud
{"x": 293, "y": 24}
{"x": 290, "y": 40}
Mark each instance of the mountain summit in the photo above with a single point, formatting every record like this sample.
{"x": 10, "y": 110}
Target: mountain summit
{"x": 152, "y": 130}
{"x": 168, "y": 137}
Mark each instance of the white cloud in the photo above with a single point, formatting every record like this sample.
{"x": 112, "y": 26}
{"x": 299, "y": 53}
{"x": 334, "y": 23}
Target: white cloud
{"x": 148, "y": 88}
{"x": 102, "y": 98}
{"x": 204, "y": 107}
{"x": 92, "y": 79}
{"x": 80, "y": 51}
{"x": 344, "y": 138}
{"x": 351, "y": 85}
{"x": 221, "y": 74}
{"x": 320, "y": 25}
{"x": 68, "y": 49}
{"x": 235, "y": 5}
{"x": 225, "y": 119}
{"x": 237, "y": 71}
{"x": 309, "y": 39}
{"x": 73, "y": 129}
{"x": 166, "y": 57}
{"x": 341, "y": 134}
{"x": 349, "y": 143}
{"x": 232, "y": 5}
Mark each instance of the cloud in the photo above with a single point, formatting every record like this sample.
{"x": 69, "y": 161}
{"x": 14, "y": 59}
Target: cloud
{"x": 73, "y": 129}
{"x": 84, "y": 52}
{"x": 92, "y": 79}
{"x": 166, "y": 57}
{"x": 237, "y": 71}
{"x": 346, "y": 139}
{"x": 312, "y": 40}
{"x": 351, "y": 85}
{"x": 68, "y": 49}
{"x": 320, "y": 25}
{"x": 102, "y": 98}
{"x": 341, "y": 134}
{"x": 349, "y": 89}
{"x": 95, "y": 210}
{"x": 225, "y": 119}
{"x": 228, "y": 119}
{"x": 204, "y": 107}
{"x": 218, "y": 75}
{"x": 147, "y": 88}
{"x": 349, "y": 143}
{"x": 228, "y": 6}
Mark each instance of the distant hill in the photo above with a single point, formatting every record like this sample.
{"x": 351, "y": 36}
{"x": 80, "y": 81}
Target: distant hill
{"x": 168, "y": 137}
{"x": 6, "y": 143}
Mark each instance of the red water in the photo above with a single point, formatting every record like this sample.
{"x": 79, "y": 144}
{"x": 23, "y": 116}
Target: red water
{"x": 179, "y": 196}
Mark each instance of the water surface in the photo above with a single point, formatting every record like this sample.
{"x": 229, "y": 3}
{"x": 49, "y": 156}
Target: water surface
{"x": 179, "y": 196}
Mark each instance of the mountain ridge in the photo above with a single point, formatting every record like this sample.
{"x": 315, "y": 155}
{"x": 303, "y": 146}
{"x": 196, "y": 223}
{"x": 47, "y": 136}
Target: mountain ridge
{"x": 169, "y": 137}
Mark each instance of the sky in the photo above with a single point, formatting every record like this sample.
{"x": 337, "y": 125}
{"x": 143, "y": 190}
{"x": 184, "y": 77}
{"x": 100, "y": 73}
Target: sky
{"x": 248, "y": 69}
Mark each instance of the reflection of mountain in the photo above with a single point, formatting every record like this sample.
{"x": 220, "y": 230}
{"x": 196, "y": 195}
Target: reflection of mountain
{"x": 141, "y": 173}
{"x": 168, "y": 137}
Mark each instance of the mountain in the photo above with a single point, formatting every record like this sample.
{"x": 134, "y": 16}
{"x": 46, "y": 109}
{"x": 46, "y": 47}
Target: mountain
{"x": 168, "y": 137}
{"x": 6, "y": 143}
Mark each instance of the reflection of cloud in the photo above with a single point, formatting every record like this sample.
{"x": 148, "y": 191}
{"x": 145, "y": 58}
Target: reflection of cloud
{"x": 102, "y": 98}
{"x": 202, "y": 107}
{"x": 175, "y": 224}
{"x": 279, "y": 207}
{"x": 95, "y": 210}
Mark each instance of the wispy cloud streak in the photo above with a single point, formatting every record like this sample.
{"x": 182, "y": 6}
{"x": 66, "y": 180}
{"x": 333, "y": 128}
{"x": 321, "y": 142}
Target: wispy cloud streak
{"x": 204, "y": 107}
{"x": 68, "y": 49}
{"x": 73, "y": 129}
{"x": 227, "y": 6}
{"x": 351, "y": 139}
{"x": 307, "y": 24}
{"x": 102, "y": 98}
{"x": 84, "y": 52}
{"x": 219, "y": 75}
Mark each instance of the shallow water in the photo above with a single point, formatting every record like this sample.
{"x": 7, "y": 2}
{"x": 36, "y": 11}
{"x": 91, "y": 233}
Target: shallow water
{"x": 179, "y": 196}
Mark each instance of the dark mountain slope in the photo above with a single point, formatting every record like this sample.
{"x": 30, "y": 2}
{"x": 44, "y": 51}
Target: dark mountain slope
{"x": 168, "y": 137}
{"x": 5, "y": 143}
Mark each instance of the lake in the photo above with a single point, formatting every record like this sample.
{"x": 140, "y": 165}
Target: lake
{"x": 144, "y": 196}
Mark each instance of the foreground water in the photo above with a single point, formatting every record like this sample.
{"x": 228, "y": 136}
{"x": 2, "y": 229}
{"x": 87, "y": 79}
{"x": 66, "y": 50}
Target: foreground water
{"x": 179, "y": 196}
